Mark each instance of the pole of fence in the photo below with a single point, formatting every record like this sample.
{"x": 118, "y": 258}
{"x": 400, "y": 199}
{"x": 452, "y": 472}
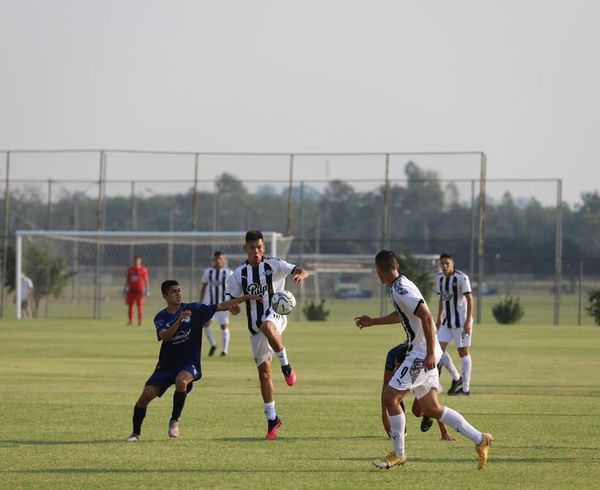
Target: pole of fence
{"x": 473, "y": 227}
{"x": 5, "y": 235}
{"x": 481, "y": 247}
{"x": 133, "y": 220}
{"x": 289, "y": 206}
{"x": 99, "y": 223}
{"x": 48, "y": 227}
{"x": 558, "y": 254}
{"x": 194, "y": 226}
{"x": 385, "y": 241}
{"x": 580, "y": 292}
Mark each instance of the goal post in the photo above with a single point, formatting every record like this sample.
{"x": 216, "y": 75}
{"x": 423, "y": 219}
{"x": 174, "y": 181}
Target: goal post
{"x": 93, "y": 263}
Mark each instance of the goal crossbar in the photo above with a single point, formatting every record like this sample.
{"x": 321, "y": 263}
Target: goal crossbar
{"x": 127, "y": 238}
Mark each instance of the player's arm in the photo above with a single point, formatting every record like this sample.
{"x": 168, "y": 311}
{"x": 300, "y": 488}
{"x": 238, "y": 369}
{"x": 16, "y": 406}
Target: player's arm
{"x": 423, "y": 313}
{"x": 167, "y": 333}
{"x": 468, "y": 327}
{"x": 367, "y": 321}
{"x": 438, "y": 321}
{"x": 299, "y": 275}
{"x": 445, "y": 435}
{"x": 227, "y": 305}
{"x": 202, "y": 291}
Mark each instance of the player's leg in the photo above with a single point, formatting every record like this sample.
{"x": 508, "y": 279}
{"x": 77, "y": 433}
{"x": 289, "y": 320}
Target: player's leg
{"x": 385, "y": 417}
{"x": 263, "y": 353}
{"x": 149, "y": 393}
{"x": 445, "y": 336}
{"x": 272, "y": 327}
{"x": 391, "y": 399}
{"x": 129, "y": 302}
{"x": 225, "y": 339}
{"x": 182, "y": 381}
{"x": 464, "y": 344}
{"x": 418, "y": 412}
{"x": 211, "y": 338}
{"x": 222, "y": 317}
{"x": 140, "y": 307}
{"x": 430, "y": 405}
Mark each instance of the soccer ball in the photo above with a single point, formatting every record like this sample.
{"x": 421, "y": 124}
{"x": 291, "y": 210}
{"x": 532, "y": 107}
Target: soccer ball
{"x": 283, "y": 302}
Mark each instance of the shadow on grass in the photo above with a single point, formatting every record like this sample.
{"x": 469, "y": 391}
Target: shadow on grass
{"x": 295, "y": 438}
{"x": 50, "y": 442}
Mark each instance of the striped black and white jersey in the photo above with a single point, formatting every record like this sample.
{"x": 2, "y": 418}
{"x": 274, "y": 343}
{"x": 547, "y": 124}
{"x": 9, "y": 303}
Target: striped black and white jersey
{"x": 407, "y": 298}
{"x": 266, "y": 278}
{"x": 216, "y": 282}
{"x": 452, "y": 290}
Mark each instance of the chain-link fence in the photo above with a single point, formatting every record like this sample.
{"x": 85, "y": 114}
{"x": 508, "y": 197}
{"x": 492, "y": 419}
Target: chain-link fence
{"x": 336, "y": 206}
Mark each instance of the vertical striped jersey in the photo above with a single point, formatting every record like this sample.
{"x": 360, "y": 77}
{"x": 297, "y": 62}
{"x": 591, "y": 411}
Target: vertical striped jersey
{"x": 216, "y": 281}
{"x": 407, "y": 298}
{"x": 452, "y": 291}
{"x": 266, "y": 279}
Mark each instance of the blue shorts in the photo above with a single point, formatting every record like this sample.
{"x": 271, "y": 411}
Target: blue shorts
{"x": 165, "y": 377}
{"x": 395, "y": 356}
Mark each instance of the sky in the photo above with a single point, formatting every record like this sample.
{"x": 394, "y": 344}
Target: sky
{"x": 515, "y": 79}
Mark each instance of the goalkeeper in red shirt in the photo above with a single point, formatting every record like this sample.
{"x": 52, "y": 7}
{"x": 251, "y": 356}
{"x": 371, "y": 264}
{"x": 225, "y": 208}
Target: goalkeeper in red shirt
{"x": 137, "y": 286}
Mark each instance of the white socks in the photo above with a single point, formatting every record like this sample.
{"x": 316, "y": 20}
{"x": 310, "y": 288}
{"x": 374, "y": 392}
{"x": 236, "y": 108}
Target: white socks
{"x": 455, "y": 420}
{"x": 466, "y": 372}
{"x": 225, "y": 339}
{"x": 446, "y": 361}
{"x": 397, "y": 424}
{"x": 209, "y": 335}
{"x": 269, "y": 409}
{"x": 282, "y": 356}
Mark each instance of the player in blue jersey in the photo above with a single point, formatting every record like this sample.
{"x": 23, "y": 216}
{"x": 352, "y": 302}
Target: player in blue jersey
{"x": 179, "y": 327}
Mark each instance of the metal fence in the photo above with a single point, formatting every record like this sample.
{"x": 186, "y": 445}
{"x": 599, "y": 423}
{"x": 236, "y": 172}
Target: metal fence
{"x": 75, "y": 189}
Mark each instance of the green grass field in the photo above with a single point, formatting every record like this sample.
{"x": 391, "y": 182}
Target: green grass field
{"x": 68, "y": 388}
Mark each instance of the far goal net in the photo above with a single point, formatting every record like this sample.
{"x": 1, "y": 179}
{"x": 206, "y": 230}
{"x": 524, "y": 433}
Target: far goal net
{"x": 82, "y": 273}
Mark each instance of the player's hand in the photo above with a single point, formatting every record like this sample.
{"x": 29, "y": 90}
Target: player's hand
{"x": 446, "y": 436}
{"x": 363, "y": 321}
{"x": 235, "y": 309}
{"x": 256, "y": 297}
{"x": 468, "y": 328}
{"x": 429, "y": 362}
{"x": 184, "y": 314}
{"x": 299, "y": 280}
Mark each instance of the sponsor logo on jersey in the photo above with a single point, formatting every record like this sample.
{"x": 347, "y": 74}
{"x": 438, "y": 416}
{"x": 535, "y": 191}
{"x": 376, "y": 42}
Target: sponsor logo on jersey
{"x": 256, "y": 289}
{"x": 399, "y": 289}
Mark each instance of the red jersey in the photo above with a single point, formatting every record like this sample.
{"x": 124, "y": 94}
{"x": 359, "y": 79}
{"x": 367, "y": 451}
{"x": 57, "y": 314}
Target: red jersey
{"x": 136, "y": 277}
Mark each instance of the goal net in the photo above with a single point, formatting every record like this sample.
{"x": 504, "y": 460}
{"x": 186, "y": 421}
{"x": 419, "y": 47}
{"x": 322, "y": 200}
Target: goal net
{"x": 82, "y": 273}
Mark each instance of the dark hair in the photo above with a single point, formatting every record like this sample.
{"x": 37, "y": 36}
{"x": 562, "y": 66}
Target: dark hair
{"x": 218, "y": 253}
{"x": 387, "y": 260}
{"x": 166, "y": 285}
{"x": 253, "y": 235}
{"x": 446, "y": 255}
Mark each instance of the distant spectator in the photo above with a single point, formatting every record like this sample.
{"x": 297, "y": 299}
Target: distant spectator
{"x": 26, "y": 295}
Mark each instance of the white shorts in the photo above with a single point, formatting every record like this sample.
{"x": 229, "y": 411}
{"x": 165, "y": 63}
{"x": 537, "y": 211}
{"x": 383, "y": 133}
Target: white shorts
{"x": 261, "y": 350}
{"x": 447, "y": 335}
{"x": 411, "y": 376}
{"x": 221, "y": 317}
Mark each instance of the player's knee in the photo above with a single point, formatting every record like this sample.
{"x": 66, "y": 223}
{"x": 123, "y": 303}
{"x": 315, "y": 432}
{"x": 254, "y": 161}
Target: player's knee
{"x": 416, "y": 409}
{"x": 264, "y": 371}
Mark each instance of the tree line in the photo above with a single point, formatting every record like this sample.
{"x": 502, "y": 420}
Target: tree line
{"x": 426, "y": 216}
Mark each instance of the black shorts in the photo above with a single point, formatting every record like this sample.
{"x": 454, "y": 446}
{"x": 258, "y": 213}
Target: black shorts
{"x": 163, "y": 378}
{"x": 395, "y": 356}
